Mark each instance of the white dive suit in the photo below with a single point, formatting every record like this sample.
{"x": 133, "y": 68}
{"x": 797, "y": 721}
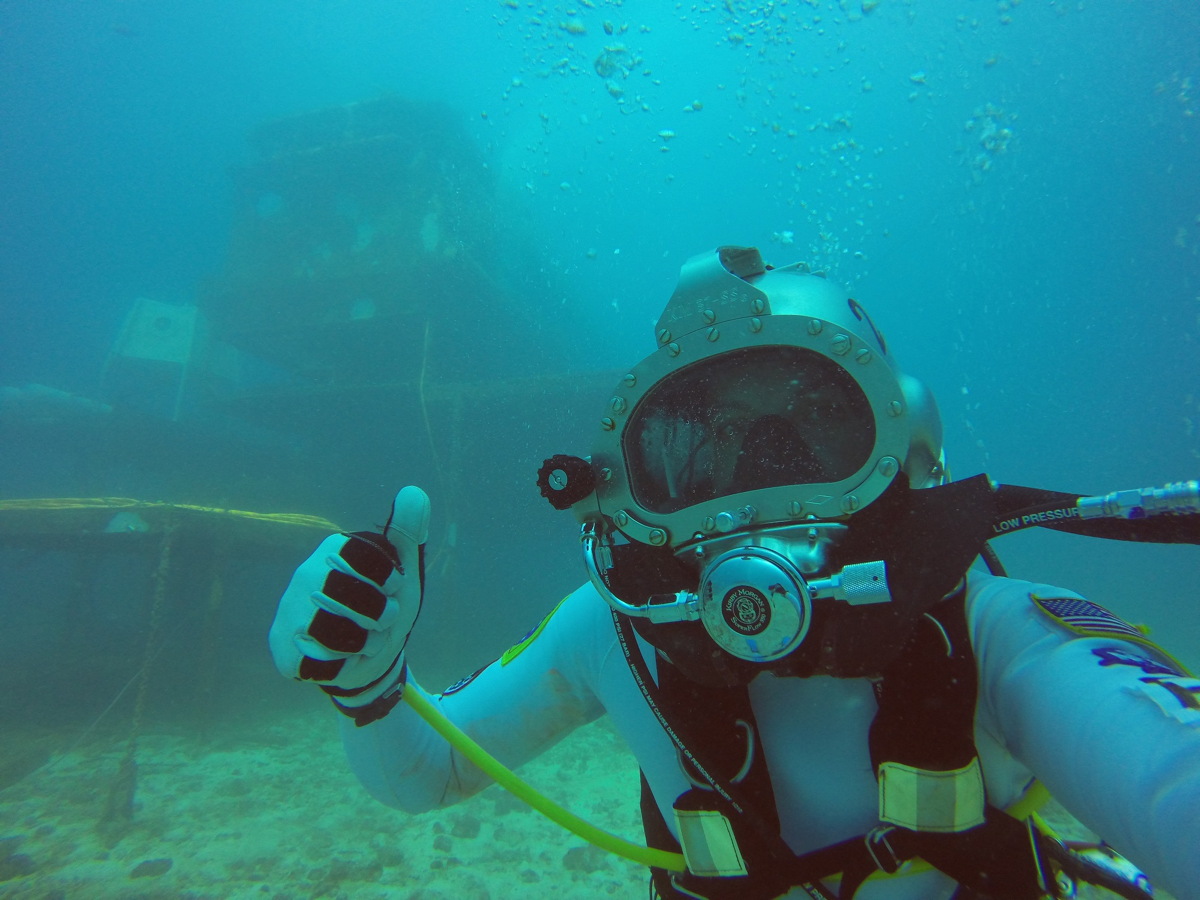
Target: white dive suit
{"x": 1105, "y": 724}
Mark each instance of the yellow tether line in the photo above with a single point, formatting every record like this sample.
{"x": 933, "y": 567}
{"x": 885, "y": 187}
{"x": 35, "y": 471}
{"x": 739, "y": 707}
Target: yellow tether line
{"x": 61, "y": 503}
{"x": 507, "y": 779}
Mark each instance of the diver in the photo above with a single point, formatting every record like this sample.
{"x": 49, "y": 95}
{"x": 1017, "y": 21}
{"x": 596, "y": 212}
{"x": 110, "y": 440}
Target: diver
{"x": 796, "y": 622}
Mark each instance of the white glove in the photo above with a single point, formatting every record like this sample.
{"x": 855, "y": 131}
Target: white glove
{"x": 346, "y": 615}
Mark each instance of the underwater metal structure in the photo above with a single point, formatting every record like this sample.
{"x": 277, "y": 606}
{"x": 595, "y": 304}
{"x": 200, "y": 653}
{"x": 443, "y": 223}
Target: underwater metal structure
{"x": 353, "y": 227}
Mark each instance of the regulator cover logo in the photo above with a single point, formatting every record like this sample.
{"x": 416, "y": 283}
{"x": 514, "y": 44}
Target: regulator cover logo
{"x": 746, "y": 610}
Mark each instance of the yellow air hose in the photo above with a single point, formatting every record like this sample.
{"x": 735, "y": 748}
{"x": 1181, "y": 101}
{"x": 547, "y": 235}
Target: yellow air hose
{"x": 508, "y": 780}
{"x": 646, "y": 856}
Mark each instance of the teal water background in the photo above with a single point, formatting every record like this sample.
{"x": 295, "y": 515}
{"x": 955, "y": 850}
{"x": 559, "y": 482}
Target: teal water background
{"x": 1012, "y": 189}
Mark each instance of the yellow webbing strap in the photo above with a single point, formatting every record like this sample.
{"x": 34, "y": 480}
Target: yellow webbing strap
{"x": 508, "y": 780}
{"x": 1026, "y": 806}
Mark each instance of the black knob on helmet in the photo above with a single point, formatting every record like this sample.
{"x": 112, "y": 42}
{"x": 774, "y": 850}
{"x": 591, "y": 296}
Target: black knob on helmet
{"x": 565, "y": 480}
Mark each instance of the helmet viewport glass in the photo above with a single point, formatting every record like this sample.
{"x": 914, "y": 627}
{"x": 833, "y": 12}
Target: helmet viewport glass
{"x": 750, "y": 419}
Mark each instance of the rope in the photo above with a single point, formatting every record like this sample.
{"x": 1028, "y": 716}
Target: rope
{"x": 66, "y": 503}
{"x": 157, "y": 603}
{"x": 117, "y": 816}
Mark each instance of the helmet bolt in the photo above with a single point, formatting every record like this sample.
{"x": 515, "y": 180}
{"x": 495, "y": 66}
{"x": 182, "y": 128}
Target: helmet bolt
{"x": 673, "y": 348}
{"x": 629, "y": 380}
{"x": 841, "y": 344}
{"x": 815, "y": 326}
{"x": 895, "y": 408}
{"x": 664, "y": 337}
{"x": 757, "y": 306}
{"x": 863, "y": 356}
{"x": 621, "y": 518}
{"x": 657, "y": 537}
{"x": 755, "y": 324}
{"x": 607, "y": 423}
{"x": 709, "y": 316}
{"x": 606, "y": 474}
{"x": 714, "y": 333}
{"x": 618, "y": 404}
{"x": 709, "y": 524}
{"x": 850, "y": 503}
{"x": 888, "y": 466}
{"x": 795, "y": 508}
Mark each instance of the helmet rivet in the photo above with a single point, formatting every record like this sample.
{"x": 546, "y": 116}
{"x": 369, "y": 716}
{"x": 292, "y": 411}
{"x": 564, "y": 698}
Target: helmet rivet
{"x": 606, "y": 474}
{"x": 618, "y": 404}
{"x": 714, "y": 333}
{"x": 757, "y": 306}
{"x": 709, "y": 316}
{"x": 607, "y": 424}
{"x": 850, "y": 503}
{"x": 841, "y": 344}
{"x": 895, "y": 408}
{"x": 888, "y": 466}
{"x": 621, "y": 518}
{"x": 629, "y": 380}
{"x": 664, "y": 336}
{"x": 657, "y": 537}
{"x": 673, "y": 348}
{"x": 795, "y": 508}
{"x": 708, "y": 524}
{"x": 863, "y": 356}
{"x": 755, "y": 324}
{"x": 815, "y": 326}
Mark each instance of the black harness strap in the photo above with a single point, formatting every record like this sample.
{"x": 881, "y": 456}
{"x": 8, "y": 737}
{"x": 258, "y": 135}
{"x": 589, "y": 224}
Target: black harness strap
{"x": 773, "y": 865}
{"x": 926, "y": 720}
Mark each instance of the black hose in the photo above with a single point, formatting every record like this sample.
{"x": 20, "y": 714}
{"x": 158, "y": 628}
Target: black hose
{"x": 1019, "y": 508}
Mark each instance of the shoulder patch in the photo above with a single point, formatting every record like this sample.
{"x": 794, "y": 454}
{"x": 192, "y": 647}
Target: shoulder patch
{"x": 1113, "y": 656}
{"x": 1085, "y": 617}
{"x": 519, "y": 647}
{"x": 1177, "y": 696}
{"x": 463, "y": 682}
{"x": 1088, "y": 619}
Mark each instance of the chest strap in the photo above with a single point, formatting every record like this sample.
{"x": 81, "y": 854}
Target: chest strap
{"x": 922, "y": 739}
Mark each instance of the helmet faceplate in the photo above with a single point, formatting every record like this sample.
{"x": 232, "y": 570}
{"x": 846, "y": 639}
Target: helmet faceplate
{"x": 771, "y": 400}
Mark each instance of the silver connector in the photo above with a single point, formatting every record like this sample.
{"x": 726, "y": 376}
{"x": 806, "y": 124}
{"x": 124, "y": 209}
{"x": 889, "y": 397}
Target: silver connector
{"x": 597, "y": 556}
{"x": 857, "y": 585}
{"x": 1180, "y": 498}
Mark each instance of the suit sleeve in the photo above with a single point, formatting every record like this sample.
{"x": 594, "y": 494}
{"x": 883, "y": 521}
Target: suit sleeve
{"x": 515, "y": 708}
{"x": 1110, "y": 727}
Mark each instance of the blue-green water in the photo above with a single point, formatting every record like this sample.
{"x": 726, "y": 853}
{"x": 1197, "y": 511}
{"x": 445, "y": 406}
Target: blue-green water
{"x": 1012, "y": 189}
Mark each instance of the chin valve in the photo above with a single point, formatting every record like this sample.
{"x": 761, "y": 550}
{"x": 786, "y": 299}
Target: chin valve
{"x": 565, "y": 480}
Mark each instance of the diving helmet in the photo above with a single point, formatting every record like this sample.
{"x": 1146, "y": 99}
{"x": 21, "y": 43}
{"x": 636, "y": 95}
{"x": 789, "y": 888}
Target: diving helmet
{"x": 734, "y": 462}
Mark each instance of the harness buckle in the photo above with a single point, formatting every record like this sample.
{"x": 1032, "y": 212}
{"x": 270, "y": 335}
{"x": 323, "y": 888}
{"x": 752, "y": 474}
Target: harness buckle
{"x": 877, "y": 838}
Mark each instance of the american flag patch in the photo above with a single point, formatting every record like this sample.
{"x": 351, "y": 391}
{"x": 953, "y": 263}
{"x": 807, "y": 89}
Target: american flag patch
{"x": 1087, "y": 618}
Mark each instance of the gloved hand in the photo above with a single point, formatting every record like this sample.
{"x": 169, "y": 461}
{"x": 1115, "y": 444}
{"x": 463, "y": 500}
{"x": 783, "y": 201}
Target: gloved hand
{"x": 345, "y": 617}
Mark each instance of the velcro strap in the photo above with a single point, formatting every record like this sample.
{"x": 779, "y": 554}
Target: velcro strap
{"x": 371, "y": 555}
{"x": 359, "y": 596}
{"x": 708, "y": 842}
{"x": 929, "y": 800}
{"x": 336, "y": 632}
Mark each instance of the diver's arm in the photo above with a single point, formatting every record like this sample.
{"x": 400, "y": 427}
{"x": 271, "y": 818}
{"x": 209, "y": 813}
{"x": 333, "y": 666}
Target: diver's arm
{"x": 1112, "y": 733}
{"x": 515, "y": 708}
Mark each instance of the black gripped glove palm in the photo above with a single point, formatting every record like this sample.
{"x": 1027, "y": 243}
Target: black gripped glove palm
{"x": 346, "y": 615}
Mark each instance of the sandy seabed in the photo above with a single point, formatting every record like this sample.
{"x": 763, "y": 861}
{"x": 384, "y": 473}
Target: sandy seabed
{"x": 274, "y": 814}
{"x": 271, "y": 812}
